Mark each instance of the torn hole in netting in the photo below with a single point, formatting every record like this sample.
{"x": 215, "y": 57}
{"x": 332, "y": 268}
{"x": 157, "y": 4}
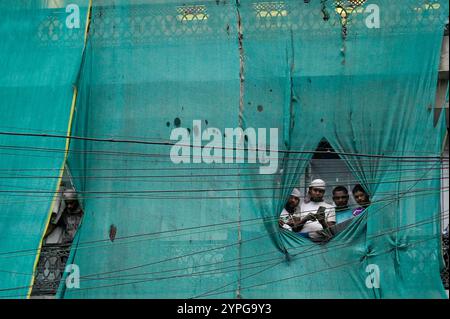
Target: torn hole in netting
{"x": 326, "y": 198}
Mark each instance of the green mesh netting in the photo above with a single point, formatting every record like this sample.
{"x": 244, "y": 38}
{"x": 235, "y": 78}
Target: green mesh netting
{"x": 311, "y": 69}
{"x": 39, "y": 61}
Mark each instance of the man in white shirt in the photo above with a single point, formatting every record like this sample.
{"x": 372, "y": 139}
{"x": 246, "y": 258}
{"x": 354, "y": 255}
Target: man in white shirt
{"x": 290, "y": 211}
{"x": 315, "y": 214}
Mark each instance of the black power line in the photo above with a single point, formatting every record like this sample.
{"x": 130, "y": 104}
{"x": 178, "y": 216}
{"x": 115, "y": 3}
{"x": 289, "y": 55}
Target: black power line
{"x": 143, "y": 142}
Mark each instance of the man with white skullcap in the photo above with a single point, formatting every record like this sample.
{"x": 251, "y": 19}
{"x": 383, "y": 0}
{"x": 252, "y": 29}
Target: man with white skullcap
{"x": 286, "y": 220}
{"x": 315, "y": 215}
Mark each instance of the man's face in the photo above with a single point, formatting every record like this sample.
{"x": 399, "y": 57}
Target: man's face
{"x": 361, "y": 198}
{"x": 316, "y": 194}
{"x": 293, "y": 201}
{"x": 340, "y": 198}
{"x": 71, "y": 204}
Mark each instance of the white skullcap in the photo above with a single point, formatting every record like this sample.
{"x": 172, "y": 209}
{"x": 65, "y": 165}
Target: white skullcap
{"x": 296, "y": 193}
{"x": 70, "y": 194}
{"x": 318, "y": 183}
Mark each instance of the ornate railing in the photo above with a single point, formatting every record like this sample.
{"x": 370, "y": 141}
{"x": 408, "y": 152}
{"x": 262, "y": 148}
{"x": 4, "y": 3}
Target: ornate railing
{"x": 50, "y": 269}
{"x": 444, "y": 273}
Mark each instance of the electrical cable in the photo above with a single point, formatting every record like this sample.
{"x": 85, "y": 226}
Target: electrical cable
{"x": 144, "y": 142}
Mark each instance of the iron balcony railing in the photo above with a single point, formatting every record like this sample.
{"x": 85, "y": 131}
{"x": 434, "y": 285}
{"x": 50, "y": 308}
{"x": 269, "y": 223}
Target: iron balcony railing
{"x": 444, "y": 273}
{"x": 50, "y": 269}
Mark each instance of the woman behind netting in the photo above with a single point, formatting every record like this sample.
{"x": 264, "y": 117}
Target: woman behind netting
{"x": 362, "y": 198}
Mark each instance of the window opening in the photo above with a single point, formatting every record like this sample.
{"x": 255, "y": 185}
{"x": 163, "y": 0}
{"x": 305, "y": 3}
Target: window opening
{"x": 324, "y": 204}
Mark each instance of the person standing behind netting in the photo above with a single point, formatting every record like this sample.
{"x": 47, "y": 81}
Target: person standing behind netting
{"x": 315, "y": 213}
{"x": 72, "y": 215}
{"x": 63, "y": 226}
{"x": 340, "y": 199}
{"x": 362, "y": 198}
{"x": 290, "y": 211}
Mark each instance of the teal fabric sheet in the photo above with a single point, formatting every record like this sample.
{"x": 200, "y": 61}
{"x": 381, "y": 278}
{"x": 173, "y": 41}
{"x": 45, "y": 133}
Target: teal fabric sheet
{"x": 40, "y": 58}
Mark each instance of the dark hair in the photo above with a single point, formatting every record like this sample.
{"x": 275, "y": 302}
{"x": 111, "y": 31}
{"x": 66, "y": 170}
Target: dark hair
{"x": 340, "y": 188}
{"x": 359, "y": 188}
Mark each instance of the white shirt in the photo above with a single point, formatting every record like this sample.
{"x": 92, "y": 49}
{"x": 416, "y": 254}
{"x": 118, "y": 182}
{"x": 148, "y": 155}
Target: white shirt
{"x": 311, "y": 208}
